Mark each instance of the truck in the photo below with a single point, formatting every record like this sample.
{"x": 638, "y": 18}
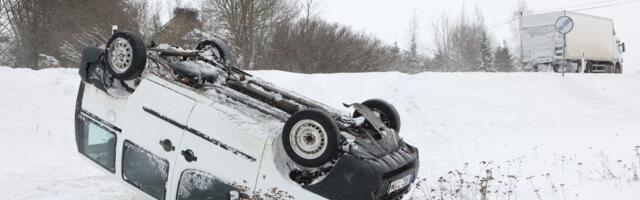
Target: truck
{"x": 591, "y": 47}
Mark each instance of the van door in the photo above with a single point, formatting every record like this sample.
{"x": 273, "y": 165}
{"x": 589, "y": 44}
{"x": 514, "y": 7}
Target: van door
{"x": 97, "y": 134}
{"x": 217, "y": 154}
{"x": 155, "y": 118}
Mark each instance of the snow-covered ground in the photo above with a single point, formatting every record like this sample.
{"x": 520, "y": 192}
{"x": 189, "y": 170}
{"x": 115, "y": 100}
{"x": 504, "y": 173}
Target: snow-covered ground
{"x": 523, "y": 135}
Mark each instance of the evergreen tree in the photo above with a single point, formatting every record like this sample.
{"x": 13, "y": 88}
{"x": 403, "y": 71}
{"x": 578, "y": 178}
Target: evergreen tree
{"x": 413, "y": 60}
{"x": 503, "y": 59}
{"x": 486, "y": 57}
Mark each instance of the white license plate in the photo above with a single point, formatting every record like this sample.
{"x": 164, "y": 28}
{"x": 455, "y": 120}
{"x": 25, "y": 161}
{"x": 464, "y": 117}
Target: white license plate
{"x": 400, "y": 183}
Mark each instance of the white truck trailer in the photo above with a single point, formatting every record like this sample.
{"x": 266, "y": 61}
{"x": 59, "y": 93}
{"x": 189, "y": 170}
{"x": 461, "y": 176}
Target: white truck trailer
{"x": 592, "y": 43}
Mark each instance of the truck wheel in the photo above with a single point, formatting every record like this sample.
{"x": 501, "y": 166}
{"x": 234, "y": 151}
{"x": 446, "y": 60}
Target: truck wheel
{"x": 556, "y": 68}
{"x": 618, "y": 68}
{"x": 310, "y": 138}
{"x": 217, "y": 49}
{"x": 126, "y": 55}
{"x": 387, "y": 113}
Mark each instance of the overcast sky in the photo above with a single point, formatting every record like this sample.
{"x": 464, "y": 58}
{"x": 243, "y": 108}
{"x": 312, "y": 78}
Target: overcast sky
{"x": 389, "y": 19}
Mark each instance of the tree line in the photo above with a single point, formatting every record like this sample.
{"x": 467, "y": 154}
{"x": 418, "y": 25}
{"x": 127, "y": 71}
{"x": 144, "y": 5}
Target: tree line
{"x": 262, "y": 34}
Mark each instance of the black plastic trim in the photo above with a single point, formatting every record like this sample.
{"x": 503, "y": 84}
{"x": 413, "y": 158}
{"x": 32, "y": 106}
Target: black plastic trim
{"x": 102, "y": 123}
{"x": 79, "y": 126}
{"x": 357, "y": 178}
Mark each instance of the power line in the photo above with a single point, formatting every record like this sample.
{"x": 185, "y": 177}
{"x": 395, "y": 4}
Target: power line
{"x": 501, "y": 21}
{"x": 604, "y": 6}
{"x": 510, "y": 19}
{"x": 578, "y": 7}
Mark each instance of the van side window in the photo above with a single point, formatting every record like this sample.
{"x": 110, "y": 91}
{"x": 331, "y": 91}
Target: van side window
{"x": 198, "y": 185}
{"x": 99, "y": 145}
{"x": 144, "y": 170}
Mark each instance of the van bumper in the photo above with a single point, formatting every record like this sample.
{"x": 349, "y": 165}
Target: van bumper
{"x": 357, "y": 178}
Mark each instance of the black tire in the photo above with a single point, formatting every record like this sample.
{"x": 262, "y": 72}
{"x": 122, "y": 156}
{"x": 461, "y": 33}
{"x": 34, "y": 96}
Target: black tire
{"x": 219, "y": 46}
{"x": 388, "y": 113}
{"x": 331, "y": 140}
{"x": 134, "y": 56}
{"x": 588, "y": 68}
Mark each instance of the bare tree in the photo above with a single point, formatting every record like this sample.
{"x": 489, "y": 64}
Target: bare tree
{"x": 249, "y": 24}
{"x": 148, "y": 18}
{"x": 6, "y": 40}
{"x": 28, "y": 19}
{"x": 317, "y": 46}
{"x": 59, "y": 27}
{"x": 466, "y": 36}
{"x": 442, "y": 41}
{"x": 309, "y": 7}
{"x": 457, "y": 45}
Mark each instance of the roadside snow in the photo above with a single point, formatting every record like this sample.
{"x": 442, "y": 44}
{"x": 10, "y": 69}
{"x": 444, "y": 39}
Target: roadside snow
{"x": 540, "y": 136}
{"x": 38, "y": 158}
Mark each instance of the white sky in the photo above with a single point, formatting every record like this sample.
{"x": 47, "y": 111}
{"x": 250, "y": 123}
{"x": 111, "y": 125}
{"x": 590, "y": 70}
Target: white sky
{"x": 389, "y": 19}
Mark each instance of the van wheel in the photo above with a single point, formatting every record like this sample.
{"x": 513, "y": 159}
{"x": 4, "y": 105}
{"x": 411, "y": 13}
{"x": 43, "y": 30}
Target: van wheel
{"x": 216, "y": 48}
{"x": 126, "y": 55}
{"x": 387, "y": 113}
{"x": 310, "y": 138}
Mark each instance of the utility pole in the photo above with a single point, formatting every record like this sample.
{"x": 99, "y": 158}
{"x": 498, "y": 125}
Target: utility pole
{"x": 521, "y": 43}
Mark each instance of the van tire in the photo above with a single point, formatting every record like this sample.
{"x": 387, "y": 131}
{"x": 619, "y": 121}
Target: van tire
{"x": 311, "y": 138}
{"x": 223, "y": 50}
{"x": 388, "y": 113}
{"x": 126, "y": 55}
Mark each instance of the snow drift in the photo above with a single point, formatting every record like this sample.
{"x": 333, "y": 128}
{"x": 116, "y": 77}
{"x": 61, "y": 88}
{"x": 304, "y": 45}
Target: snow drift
{"x": 502, "y": 136}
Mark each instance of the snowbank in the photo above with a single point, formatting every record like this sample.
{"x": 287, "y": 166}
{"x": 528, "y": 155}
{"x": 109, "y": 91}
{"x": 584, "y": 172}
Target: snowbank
{"x": 540, "y": 136}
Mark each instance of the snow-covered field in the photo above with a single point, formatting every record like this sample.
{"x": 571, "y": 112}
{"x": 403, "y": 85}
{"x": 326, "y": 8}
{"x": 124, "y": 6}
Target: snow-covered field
{"x": 520, "y": 136}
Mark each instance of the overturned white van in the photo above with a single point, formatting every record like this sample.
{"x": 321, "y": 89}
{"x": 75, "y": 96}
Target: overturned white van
{"x": 184, "y": 124}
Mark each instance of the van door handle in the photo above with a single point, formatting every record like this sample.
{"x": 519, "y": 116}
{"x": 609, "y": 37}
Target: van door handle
{"x": 167, "y": 145}
{"x": 189, "y": 156}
